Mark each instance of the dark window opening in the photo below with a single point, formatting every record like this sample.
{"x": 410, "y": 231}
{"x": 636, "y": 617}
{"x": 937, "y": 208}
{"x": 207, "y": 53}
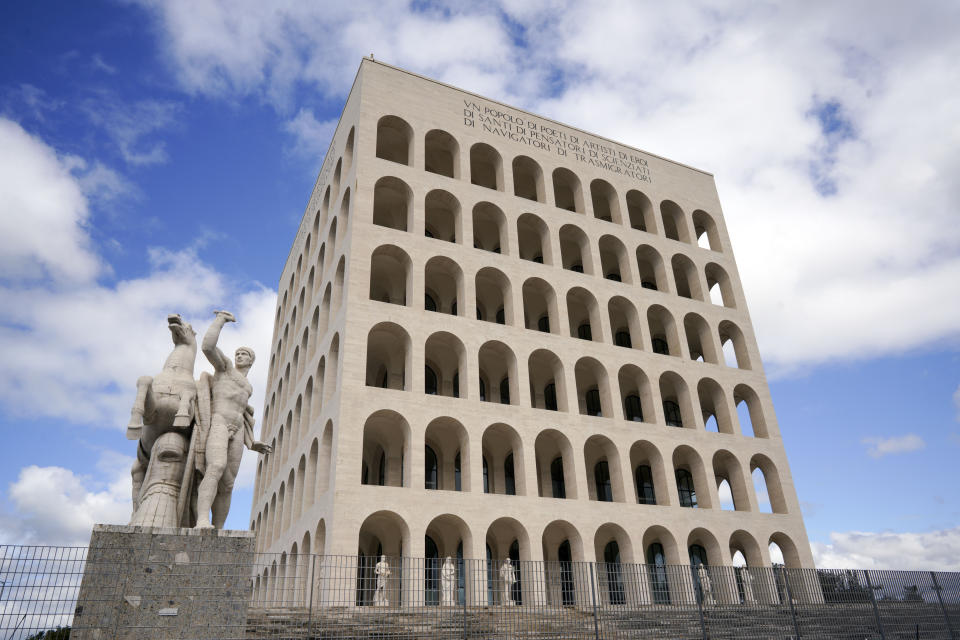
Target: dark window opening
{"x": 611, "y": 558}
{"x": 601, "y": 477}
{"x": 613, "y": 275}
{"x": 501, "y": 319}
{"x": 505, "y": 391}
{"x": 592, "y": 399}
{"x": 577, "y": 267}
{"x": 429, "y": 381}
{"x": 584, "y": 332}
{"x": 543, "y": 324}
{"x": 567, "y": 592}
{"x": 428, "y": 303}
{"x": 556, "y": 478}
{"x": 457, "y": 481}
{"x": 431, "y": 475}
{"x": 660, "y": 346}
{"x": 509, "y": 479}
{"x": 622, "y": 339}
{"x": 550, "y": 397}
{"x": 658, "y": 574}
{"x": 646, "y": 284}
{"x": 486, "y": 477}
{"x": 688, "y": 494}
{"x": 632, "y": 409}
{"x": 671, "y": 413}
{"x": 645, "y": 490}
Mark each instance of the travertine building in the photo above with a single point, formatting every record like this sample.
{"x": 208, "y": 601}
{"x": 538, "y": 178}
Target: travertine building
{"x": 498, "y": 335}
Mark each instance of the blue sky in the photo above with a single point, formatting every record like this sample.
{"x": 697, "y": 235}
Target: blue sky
{"x": 157, "y": 157}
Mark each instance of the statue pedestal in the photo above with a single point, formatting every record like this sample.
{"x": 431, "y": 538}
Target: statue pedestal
{"x": 144, "y": 583}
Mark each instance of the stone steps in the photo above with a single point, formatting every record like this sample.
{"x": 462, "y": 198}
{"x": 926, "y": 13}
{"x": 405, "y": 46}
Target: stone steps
{"x": 830, "y": 622}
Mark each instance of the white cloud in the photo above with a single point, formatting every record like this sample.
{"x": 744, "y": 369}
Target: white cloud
{"x": 55, "y": 506}
{"x": 45, "y": 212}
{"x": 938, "y": 550}
{"x": 312, "y": 137}
{"x": 842, "y": 217}
{"x": 879, "y": 447}
{"x": 130, "y": 126}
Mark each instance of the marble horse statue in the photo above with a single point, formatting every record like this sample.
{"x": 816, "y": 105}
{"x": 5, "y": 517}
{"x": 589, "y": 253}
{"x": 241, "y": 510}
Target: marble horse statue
{"x": 166, "y": 403}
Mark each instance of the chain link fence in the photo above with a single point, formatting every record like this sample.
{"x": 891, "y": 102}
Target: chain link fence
{"x": 313, "y": 596}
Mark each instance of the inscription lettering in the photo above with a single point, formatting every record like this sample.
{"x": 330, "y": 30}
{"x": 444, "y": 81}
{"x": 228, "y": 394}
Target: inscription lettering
{"x": 537, "y": 134}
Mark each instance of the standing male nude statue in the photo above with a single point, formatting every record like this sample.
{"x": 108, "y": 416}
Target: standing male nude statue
{"x": 230, "y": 428}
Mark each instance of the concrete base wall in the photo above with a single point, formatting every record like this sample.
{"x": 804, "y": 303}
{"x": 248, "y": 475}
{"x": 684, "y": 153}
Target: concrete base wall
{"x": 150, "y": 583}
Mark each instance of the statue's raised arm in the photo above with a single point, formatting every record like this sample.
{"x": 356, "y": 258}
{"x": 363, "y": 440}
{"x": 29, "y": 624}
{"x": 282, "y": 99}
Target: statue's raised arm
{"x": 210, "y": 349}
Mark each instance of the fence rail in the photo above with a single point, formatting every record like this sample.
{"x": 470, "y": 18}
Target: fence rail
{"x": 313, "y": 596}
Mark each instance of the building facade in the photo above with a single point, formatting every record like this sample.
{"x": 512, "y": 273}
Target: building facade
{"x": 499, "y": 336}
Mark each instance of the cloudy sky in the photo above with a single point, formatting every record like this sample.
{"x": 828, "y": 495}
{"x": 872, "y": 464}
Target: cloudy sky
{"x": 158, "y": 156}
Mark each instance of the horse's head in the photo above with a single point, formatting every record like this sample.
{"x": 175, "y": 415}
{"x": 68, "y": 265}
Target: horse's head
{"x": 180, "y": 331}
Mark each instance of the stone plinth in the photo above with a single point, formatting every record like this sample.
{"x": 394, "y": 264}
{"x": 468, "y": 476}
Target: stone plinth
{"x": 149, "y": 582}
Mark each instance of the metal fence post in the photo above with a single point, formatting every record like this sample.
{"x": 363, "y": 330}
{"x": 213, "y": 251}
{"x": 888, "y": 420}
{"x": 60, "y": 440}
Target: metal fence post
{"x": 876, "y": 609}
{"x": 946, "y": 615}
{"x": 593, "y": 595}
{"x": 466, "y": 582}
{"x": 312, "y": 577}
{"x": 786, "y": 582}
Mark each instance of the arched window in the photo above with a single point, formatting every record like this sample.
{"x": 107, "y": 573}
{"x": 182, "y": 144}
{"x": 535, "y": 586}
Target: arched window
{"x": 592, "y": 399}
{"x": 584, "y": 332}
{"x": 645, "y": 490}
{"x": 556, "y": 478}
{"x": 671, "y": 413}
{"x": 550, "y": 397}
{"x": 543, "y": 324}
{"x": 622, "y": 339}
{"x": 659, "y": 586}
{"x": 430, "y": 471}
{"x": 486, "y": 476}
{"x": 601, "y": 477}
{"x": 632, "y": 409}
{"x": 509, "y": 479}
{"x": 429, "y": 304}
{"x": 698, "y": 555}
{"x": 611, "y": 557}
{"x": 457, "y": 484}
{"x": 505, "y": 391}
{"x": 688, "y": 494}
{"x": 429, "y": 381}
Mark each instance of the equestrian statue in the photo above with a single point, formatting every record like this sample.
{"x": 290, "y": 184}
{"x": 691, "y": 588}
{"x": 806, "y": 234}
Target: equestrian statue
{"x": 191, "y": 433}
